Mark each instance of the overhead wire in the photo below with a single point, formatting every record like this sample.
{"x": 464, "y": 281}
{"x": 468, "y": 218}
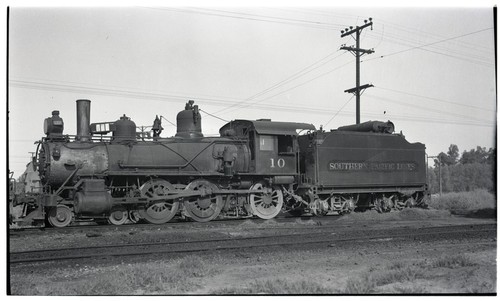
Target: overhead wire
{"x": 170, "y": 96}
{"x": 296, "y": 86}
{"x": 214, "y": 116}
{"x": 108, "y": 91}
{"x": 398, "y": 53}
{"x": 16, "y": 81}
{"x": 435, "y": 35}
{"x": 294, "y": 76}
{"x": 418, "y": 39}
{"x": 437, "y": 99}
{"x": 289, "y": 108}
{"x": 335, "y": 26}
{"x": 406, "y": 104}
{"x": 288, "y": 19}
{"x": 291, "y": 22}
{"x": 429, "y": 44}
{"x": 135, "y": 95}
{"x": 471, "y": 56}
{"x": 341, "y": 108}
{"x": 318, "y": 13}
{"x": 396, "y": 38}
{"x": 316, "y": 25}
{"x": 399, "y": 27}
{"x": 273, "y": 17}
{"x": 455, "y": 54}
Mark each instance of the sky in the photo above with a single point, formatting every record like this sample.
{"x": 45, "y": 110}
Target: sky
{"x": 433, "y": 69}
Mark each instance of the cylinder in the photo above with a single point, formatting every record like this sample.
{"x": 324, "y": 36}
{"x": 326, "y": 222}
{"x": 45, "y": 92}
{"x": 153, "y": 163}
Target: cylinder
{"x": 83, "y": 120}
{"x": 92, "y": 203}
{"x": 93, "y": 199}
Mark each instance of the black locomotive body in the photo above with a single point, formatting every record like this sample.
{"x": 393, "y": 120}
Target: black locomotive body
{"x": 255, "y": 168}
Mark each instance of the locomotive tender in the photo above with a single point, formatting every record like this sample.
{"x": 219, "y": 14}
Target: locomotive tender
{"x": 255, "y": 168}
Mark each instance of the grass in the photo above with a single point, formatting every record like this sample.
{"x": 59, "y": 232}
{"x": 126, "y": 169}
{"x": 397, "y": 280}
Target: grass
{"x": 400, "y": 277}
{"x": 455, "y": 261}
{"x": 150, "y": 278}
{"x": 410, "y": 289}
{"x": 368, "y": 283}
{"x": 361, "y": 285}
{"x": 276, "y": 287}
{"x": 467, "y": 200}
{"x": 406, "y": 274}
{"x": 455, "y": 273}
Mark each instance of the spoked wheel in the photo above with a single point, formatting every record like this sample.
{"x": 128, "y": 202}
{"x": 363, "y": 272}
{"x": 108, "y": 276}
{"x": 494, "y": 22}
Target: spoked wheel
{"x": 378, "y": 205}
{"x": 158, "y": 212}
{"x": 118, "y": 216}
{"x": 389, "y": 203}
{"x": 383, "y": 205}
{"x": 134, "y": 216}
{"x": 349, "y": 206}
{"x": 410, "y": 203}
{"x": 60, "y": 216}
{"x": 206, "y": 207}
{"x": 265, "y": 204}
{"x": 320, "y": 207}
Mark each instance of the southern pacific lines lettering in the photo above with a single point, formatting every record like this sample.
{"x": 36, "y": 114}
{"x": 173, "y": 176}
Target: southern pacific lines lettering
{"x": 348, "y": 166}
{"x": 372, "y": 166}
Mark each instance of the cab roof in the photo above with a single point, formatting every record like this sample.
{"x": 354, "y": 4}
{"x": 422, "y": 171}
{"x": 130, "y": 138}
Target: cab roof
{"x": 266, "y": 127}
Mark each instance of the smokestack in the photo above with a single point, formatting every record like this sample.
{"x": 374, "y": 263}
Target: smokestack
{"x": 83, "y": 120}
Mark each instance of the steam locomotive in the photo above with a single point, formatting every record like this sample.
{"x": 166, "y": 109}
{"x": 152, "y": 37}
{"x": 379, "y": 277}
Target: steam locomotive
{"x": 111, "y": 172}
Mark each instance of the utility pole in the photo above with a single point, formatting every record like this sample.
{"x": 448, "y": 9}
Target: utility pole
{"x": 439, "y": 162}
{"x": 358, "y": 52}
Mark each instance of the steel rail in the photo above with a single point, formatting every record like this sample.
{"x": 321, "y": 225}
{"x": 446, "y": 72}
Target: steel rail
{"x": 325, "y": 237}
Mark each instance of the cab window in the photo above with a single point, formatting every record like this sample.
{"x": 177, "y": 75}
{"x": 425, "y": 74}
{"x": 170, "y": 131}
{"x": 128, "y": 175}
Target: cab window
{"x": 266, "y": 143}
{"x": 285, "y": 144}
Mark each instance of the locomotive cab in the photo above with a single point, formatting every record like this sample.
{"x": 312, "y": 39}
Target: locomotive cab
{"x": 273, "y": 145}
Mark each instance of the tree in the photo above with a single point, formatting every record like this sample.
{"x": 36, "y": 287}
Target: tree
{"x": 450, "y": 158}
{"x": 479, "y": 155}
{"x": 492, "y": 156}
{"x": 453, "y": 154}
{"x": 476, "y": 169}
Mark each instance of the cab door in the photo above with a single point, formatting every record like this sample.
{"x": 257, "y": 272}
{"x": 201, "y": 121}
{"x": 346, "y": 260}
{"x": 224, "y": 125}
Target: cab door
{"x": 276, "y": 154}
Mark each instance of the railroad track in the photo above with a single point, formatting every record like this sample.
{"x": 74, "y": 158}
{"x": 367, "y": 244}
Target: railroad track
{"x": 90, "y": 224}
{"x": 262, "y": 241}
{"x": 172, "y": 224}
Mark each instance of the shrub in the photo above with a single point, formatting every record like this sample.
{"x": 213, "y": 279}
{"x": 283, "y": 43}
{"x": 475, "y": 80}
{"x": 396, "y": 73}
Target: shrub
{"x": 150, "y": 278}
{"x": 276, "y": 287}
{"x": 406, "y": 273}
{"x": 455, "y": 261}
{"x": 471, "y": 200}
{"x": 360, "y": 286}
